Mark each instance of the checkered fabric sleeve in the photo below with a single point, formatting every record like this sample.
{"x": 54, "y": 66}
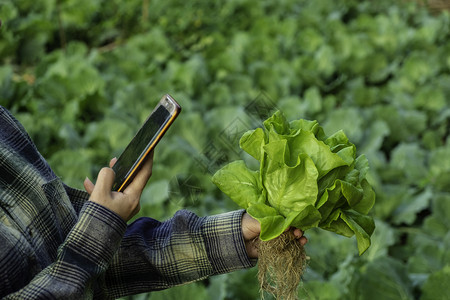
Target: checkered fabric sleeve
{"x": 84, "y": 255}
{"x": 186, "y": 248}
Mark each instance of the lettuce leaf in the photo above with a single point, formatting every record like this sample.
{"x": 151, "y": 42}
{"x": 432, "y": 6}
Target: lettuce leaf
{"x": 306, "y": 179}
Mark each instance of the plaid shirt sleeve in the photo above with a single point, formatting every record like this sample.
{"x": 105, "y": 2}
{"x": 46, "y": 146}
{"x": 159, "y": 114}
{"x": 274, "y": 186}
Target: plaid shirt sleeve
{"x": 84, "y": 255}
{"x": 151, "y": 256}
{"x": 186, "y": 248}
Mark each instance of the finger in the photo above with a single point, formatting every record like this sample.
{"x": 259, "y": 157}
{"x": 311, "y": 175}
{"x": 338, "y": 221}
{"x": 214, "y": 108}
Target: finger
{"x": 142, "y": 177}
{"x": 112, "y": 162}
{"x": 88, "y": 185}
{"x": 298, "y": 233}
{"x": 104, "y": 181}
{"x": 303, "y": 240}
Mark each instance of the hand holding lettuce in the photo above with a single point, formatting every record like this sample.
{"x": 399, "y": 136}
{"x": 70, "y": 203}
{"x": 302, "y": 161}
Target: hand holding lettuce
{"x": 306, "y": 179}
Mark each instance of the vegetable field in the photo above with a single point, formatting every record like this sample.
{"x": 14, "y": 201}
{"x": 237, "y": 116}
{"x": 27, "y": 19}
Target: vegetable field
{"x": 82, "y": 75}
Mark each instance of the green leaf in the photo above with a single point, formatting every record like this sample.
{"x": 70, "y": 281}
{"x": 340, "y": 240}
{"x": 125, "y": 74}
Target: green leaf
{"x": 363, "y": 227}
{"x": 272, "y": 223}
{"x": 292, "y": 188}
{"x": 218, "y": 287}
{"x": 347, "y": 119}
{"x": 382, "y": 239}
{"x": 336, "y": 224}
{"x": 241, "y": 285}
{"x": 410, "y": 207}
{"x": 337, "y": 140}
{"x": 362, "y": 165}
{"x": 156, "y": 193}
{"x": 417, "y": 67}
{"x": 323, "y": 158}
{"x": 321, "y": 290}
{"x": 329, "y": 199}
{"x": 431, "y": 98}
{"x": 308, "y": 217}
{"x": 306, "y": 125}
{"x": 352, "y": 194}
{"x": 436, "y": 287}
{"x": 383, "y": 278}
{"x": 359, "y": 199}
{"x": 183, "y": 292}
{"x": 440, "y": 168}
{"x": 72, "y": 165}
{"x": 352, "y": 177}
{"x": 239, "y": 183}
{"x": 438, "y": 224}
{"x": 410, "y": 159}
{"x": 368, "y": 199}
{"x": 277, "y": 123}
{"x": 347, "y": 154}
{"x": 277, "y": 155}
{"x": 313, "y": 100}
{"x": 428, "y": 256}
{"x": 252, "y": 142}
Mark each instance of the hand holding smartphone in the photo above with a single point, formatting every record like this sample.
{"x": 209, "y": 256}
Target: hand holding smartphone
{"x": 145, "y": 140}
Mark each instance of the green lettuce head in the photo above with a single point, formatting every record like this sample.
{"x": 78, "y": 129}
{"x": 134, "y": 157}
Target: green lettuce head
{"x": 306, "y": 179}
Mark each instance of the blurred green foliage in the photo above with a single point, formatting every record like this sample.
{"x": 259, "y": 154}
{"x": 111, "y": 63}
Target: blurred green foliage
{"x": 82, "y": 75}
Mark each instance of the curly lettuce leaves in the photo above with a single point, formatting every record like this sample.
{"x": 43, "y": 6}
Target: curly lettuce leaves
{"x": 292, "y": 188}
{"x": 306, "y": 179}
{"x": 240, "y": 184}
{"x": 253, "y": 142}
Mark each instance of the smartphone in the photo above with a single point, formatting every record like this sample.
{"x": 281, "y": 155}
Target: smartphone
{"x": 145, "y": 140}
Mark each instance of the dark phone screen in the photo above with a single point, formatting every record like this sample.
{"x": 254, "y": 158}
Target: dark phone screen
{"x": 138, "y": 145}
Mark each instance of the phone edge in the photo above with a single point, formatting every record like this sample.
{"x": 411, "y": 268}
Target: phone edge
{"x": 138, "y": 164}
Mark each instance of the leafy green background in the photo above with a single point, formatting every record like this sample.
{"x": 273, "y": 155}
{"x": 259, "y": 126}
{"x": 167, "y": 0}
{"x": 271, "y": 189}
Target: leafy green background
{"x": 82, "y": 75}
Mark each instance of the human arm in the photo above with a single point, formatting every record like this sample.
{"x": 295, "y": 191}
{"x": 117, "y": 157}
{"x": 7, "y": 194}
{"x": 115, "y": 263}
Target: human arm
{"x": 158, "y": 255}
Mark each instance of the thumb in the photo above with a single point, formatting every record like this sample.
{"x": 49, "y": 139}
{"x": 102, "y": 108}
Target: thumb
{"x": 251, "y": 227}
